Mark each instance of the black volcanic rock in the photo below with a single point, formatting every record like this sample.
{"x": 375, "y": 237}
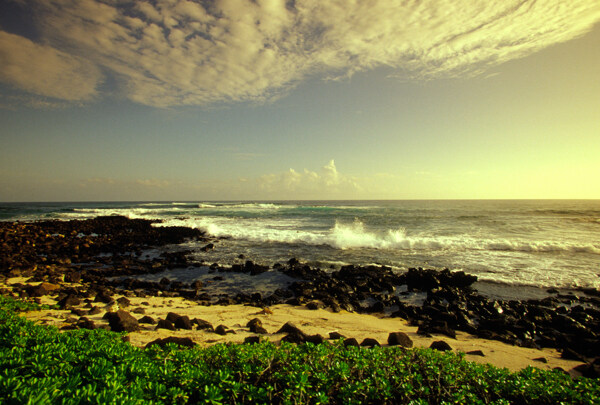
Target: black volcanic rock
{"x": 165, "y": 324}
{"x": 400, "y": 338}
{"x": 369, "y": 342}
{"x": 147, "y": 320}
{"x": 180, "y": 341}
{"x": 351, "y": 342}
{"x": 122, "y": 321}
{"x": 183, "y": 322}
{"x": 255, "y": 326}
{"x": 440, "y": 345}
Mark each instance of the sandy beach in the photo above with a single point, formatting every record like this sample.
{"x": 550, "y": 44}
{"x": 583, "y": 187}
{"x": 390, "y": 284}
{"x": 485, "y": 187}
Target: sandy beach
{"x": 320, "y": 321}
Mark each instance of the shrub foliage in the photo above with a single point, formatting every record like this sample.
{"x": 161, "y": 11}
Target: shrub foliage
{"x": 39, "y": 364}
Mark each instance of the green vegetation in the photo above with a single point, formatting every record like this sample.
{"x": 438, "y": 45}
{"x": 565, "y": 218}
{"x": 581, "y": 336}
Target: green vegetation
{"x": 39, "y": 364}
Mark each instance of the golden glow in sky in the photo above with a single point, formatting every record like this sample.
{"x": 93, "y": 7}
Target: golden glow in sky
{"x": 273, "y": 99}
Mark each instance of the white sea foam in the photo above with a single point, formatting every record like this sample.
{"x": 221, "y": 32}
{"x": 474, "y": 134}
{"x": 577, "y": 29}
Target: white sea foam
{"x": 205, "y": 205}
{"x": 541, "y": 246}
{"x": 133, "y": 213}
{"x": 356, "y": 235}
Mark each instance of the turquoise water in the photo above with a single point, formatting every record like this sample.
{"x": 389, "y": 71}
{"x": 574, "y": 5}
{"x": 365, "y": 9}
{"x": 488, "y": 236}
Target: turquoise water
{"x": 536, "y": 243}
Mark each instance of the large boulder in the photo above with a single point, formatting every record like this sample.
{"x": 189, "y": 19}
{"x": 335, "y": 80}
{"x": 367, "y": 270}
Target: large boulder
{"x": 122, "y": 321}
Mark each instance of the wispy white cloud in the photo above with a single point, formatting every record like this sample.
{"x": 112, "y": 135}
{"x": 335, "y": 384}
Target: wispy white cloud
{"x": 182, "y": 52}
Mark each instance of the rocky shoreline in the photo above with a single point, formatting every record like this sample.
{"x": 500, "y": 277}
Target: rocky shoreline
{"x": 92, "y": 261}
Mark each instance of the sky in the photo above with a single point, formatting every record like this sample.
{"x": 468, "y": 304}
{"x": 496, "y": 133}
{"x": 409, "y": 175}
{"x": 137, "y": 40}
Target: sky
{"x": 165, "y": 100}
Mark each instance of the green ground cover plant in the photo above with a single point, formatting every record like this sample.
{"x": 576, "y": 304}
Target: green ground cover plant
{"x": 39, "y": 365}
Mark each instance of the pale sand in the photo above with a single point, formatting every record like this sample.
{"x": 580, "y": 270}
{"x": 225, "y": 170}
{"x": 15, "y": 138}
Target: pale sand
{"x": 320, "y": 321}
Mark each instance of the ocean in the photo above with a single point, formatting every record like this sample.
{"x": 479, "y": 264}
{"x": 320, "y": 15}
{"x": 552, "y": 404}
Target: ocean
{"x": 536, "y": 243}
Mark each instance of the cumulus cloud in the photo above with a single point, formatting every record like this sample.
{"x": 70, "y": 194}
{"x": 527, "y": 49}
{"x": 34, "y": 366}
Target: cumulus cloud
{"x": 183, "y": 52}
{"x": 309, "y": 184}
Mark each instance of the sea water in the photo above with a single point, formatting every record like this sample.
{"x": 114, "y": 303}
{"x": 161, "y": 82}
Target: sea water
{"x": 538, "y": 243}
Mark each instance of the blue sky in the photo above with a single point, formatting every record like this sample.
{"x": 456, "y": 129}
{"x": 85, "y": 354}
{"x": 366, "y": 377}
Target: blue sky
{"x": 181, "y": 100}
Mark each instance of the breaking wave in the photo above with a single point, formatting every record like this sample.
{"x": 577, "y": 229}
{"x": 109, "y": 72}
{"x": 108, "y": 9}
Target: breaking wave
{"x": 356, "y": 235}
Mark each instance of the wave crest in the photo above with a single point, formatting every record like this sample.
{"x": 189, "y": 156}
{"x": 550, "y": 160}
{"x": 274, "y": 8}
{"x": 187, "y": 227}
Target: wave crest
{"x": 355, "y": 236}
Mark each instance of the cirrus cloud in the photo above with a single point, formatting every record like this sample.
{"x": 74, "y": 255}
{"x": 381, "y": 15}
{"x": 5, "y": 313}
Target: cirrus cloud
{"x": 182, "y": 52}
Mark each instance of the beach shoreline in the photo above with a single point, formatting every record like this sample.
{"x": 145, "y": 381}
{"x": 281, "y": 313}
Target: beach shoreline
{"x": 54, "y": 262}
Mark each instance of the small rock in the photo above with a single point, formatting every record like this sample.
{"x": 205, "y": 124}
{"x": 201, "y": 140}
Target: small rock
{"x": 181, "y": 341}
{"x": 165, "y": 324}
{"x": 291, "y": 328}
{"x": 294, "y": 337}
{"x": 369, "y": 342}
{"x": 123, "y": 302}
{"x": 315, "y": 339}
{"x": 541, "y": 359}
{"x": 69, "y": 301}
{"x": 202, "y": 324}
{"x": 94, "y": 311}
{"x": 147, "y": 320}
{"x": 476, "y": 353}
{"x": 84, "y": 323}
{"x": 103, "y": 297}
{"x": 172, "y": 317}
{"x": 400, "y": 338}
{"x": 38, "y": 290}
{"x": 73, "y": 277}
{"x": 336, "y": 336}
{"x": 255, "y": 326}
{"x": 183, "y": 322}
{"x": 252, "y": 339}
{"x": 314, "y": 305}
{"x": 351, "y": 342}
{"x": 80, "y": 312}
{"x": 440, "y": 345}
